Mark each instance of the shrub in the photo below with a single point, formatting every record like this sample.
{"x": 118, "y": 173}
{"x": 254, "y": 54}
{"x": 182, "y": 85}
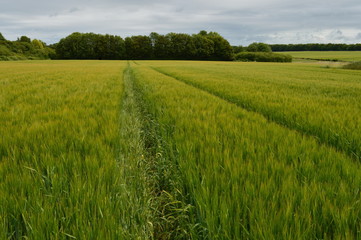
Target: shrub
{"x": 262, "y": 57}
{"x": 353, "y": 65}
{"x": 4, "y": 51}
{"x": 15, "y": 50}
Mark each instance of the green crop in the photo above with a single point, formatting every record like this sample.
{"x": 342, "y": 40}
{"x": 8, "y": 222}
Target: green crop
{"x": 61, "y": 175}
{"x": 327, "y": 55}
{"x": 179, "y": 150}
{"x": 319, "y": 102}
{"x": 249, "y": 177}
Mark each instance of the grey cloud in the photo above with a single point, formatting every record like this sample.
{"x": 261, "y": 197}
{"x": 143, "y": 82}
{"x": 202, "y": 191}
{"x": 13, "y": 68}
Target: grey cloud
{"x": 74, "y": 9}
{"x": 336, "y": 35}
{"x": 240, "y": 21}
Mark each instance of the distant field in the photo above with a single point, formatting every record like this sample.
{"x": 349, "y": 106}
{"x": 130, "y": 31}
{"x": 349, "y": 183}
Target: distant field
{"x": 328, "y": 55}
{"x": 179, "y": 150}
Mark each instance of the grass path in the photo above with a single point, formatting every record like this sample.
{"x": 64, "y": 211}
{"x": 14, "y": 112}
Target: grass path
{"x": 137, "y": 181}
{"x": 158, "y": 200}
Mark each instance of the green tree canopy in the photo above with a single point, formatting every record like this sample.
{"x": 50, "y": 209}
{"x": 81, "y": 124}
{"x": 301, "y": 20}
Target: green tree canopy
{"x": 204, "y": 47}
{"x": 23, "y": 49}
{"x": 238, "y": 49}
{"x": 2, "y": 37}
{"x": 24, "y": 39}
{"x": 37, "y": 44}
{"x": 316, "y": 47}
{"x": 90, "y": 46}
{"x": 222, "y": 49}
{"x": 259, "y": 47}
{"x": 201, "y": 46}
{"x": 181, "y": 46}
{"x": 161, "y": 46}
{"x": 138, "y": 47}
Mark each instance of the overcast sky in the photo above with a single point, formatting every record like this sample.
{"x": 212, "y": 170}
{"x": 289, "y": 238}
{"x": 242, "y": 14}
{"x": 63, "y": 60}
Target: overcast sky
{"x": 239, "y": 21}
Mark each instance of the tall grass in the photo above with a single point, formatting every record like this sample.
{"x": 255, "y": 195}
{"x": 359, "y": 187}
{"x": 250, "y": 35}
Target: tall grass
{"x": 250, "y": 178}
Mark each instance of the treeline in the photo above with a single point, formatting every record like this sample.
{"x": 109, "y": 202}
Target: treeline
{"x": 24, "y": 48}
{"x": 90, "y": 46}
{"x": 172, "y": 46}
{"x": 253, "y": 47}
{"x": 180, "y": 46}
{"x": 316, "y": 47}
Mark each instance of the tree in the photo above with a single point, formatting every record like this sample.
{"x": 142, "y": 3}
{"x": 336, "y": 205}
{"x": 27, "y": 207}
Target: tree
{"x": 222, "y": 49}
{"x": 138, "y": 47}
{"x": 259, "y": 47}
{"x": 161, "y": 46}
{"x": 90, "y": 46}
{"x": 204, "y": 47}
{"x": 115, "y": 47}
{"x": 203, "y": 33}
{"x": 201, "y": 46}
{"x": 181, "y": 46}
{"x": 2, "y": 37}
{"x": 24, "y": 39}
{"x": 24, "y": 49}
{"x": 238, "y": 49}
{"x": 316, "y": 47}
{"x": 68, "y": 47}
{"x": 37, "y": 44}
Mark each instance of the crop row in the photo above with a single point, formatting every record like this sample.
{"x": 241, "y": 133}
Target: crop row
{"x": 247, "y": 177}
{"x": 178, "y": 150}
{"x": 61, "y": 175}
{"x": 323, "y": 103}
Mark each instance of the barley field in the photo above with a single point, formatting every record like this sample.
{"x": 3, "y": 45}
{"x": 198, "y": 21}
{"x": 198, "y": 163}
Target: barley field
{"x": 348, "y": 56}
{"x": 179, "y": 150}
